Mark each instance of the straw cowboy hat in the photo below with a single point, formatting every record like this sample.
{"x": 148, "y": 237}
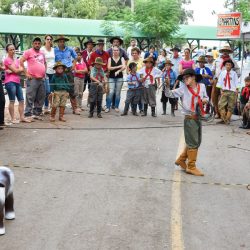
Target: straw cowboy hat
{"x": 227, "y": 49}
{"x": 190, "y": 72}
{"x": 89, "y": 41}
{"x": 149, "y": 59}
{"x": 228, "y": 61}
{"x": 59, "y": 64}
{"x": 201, "y": 59}
{"x": 168, "y": 62}
{"x": 99, "y": 60}
{"x": 209, "y": 54}
{"x": 116, "y": 38}
{"x": 61, "y": 37}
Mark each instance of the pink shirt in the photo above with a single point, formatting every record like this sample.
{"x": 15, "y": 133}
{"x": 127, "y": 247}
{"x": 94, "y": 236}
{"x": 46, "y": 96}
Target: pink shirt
{"x": 80, "y": 66}
{"x": 187, "y": 64}
{"x": 36, "y": 63}
{"x": 12, "y": 77}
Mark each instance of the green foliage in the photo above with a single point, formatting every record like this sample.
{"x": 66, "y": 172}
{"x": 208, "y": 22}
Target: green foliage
{"x": 242, "y": 6}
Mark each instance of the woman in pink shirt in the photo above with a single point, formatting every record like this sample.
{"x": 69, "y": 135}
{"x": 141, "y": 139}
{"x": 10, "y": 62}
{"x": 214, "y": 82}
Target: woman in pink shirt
{"x": 12, "y": 83}
{"x": 187, "y": 62}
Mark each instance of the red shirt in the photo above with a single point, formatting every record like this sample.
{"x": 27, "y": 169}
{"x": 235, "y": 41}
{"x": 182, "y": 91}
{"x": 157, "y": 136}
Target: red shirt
{"x": 104, "y": 55}
{"x": 86, "y": 56}
{"x": 80, "y": 66}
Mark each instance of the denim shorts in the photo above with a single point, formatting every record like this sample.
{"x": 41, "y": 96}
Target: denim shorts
{"x": 14, "y": 90}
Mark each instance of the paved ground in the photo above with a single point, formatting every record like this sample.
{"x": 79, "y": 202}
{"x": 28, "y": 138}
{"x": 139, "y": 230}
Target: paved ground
{"x": 79, "y": 186}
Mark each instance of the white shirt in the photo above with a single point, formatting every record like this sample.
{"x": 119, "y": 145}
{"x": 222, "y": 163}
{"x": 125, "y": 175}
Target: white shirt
{"x": 176, "y": 62}
{"x": 50, "y": 59}
{"x": 156, "y": 73}
{"x": 129, "y": 52}
{"x": 186, "y": 95}
{"x": 234, "y": 81}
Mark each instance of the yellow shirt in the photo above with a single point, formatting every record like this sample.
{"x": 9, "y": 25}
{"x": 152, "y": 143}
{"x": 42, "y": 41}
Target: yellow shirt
{"x": 215, "y": 54}
{"x": 139, "y": 63}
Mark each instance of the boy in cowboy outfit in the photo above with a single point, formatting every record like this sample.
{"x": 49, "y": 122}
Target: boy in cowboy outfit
{"x": 133, "y": 93}
{"x": 193, "y": 97}
{"x": 149, "y": 74}
{"x": 207, "y": 76}
{"x": 228, "y": 83}
{"x": 60, "y": 88}
{"x": 97, "y": 87}
{"x": 169, "y": 77}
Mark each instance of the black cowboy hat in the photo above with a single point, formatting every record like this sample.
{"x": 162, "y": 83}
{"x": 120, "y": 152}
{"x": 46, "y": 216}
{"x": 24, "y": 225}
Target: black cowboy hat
{"x": 176, "y": 48}
{"x": 228, "y": 61}
{"x": 116, "y": 38}
{"x": 100, "y": 41}
{"x": 89, "y": 41}
{"x": 190, "y": 72}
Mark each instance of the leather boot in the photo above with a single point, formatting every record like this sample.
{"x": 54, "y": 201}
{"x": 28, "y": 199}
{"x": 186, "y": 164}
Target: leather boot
{"x": 91, "y": 109}
{"x": 145, "y": 110}
{"x": 52, "y": 114}
{"x": 61, "y": 114}
{"x": 164, "y": 108}
{"x": 74, "y": 106}
{"x": 172, "y": 109}
{"x": 228, "y": 117}
{"x": 134, "y": 107}
{"x": 191, "y": 167}
{"x": 126, "y": 108}
{"x": 153, "y": 111}
{"x": 181, "y": 160}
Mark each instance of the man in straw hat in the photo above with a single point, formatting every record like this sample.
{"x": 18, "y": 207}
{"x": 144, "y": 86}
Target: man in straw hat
{"x": 97, "y": 87}
{"x": 168, "y": 77}
{"x": 218, "y": 68}
{"x": 149, "y": 74}
{"x": 60, "y": 87}
{"x": 67, "y": 56}
{"x": 193, "y": 96}
{"x": 228, "y": 83}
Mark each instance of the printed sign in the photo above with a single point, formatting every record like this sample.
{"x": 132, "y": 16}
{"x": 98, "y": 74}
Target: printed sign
{"x": 229, "y": 25}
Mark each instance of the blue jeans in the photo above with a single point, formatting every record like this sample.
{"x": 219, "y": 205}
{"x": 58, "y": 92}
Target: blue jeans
{"x": 47, "y": 89}
{"x": 115, "y": 87}
{"x": 14, "y": 90}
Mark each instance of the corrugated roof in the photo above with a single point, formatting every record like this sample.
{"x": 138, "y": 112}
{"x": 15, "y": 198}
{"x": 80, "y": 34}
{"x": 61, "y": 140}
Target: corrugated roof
{"x": 33, "y": 25}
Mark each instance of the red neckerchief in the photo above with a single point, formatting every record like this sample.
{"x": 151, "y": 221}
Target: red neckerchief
{"x": 227, "y": 80}
{"x": 135, "y": 77}
{"x": 246, "y": 92}
{"x": 225, "y": 58}
{"x": 148, "y": 74}
{"x": 199, "y": 98}
{"x": 99, "y": 76}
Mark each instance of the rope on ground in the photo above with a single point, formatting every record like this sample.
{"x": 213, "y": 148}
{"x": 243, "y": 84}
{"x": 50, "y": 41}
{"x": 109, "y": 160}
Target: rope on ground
{"x": 163, "y": 180}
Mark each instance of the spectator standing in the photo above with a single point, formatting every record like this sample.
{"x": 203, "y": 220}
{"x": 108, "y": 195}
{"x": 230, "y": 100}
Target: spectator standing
{"x": 35, "y": 73}
{"x": 12, "y": 84}
{"x": 133, "y": 45}
{"x": 117, "y": 42}
{"x": 161, "y": 60}
{"x": 136, "y": 58}
{"x": 176, "y": 59}
{"x": 67, "y": 56}
{"x": 186, "y": 62}
{"x": 151, "y": 53}
{"x": 2, "y": 102}
{"x": 49, "y": 53}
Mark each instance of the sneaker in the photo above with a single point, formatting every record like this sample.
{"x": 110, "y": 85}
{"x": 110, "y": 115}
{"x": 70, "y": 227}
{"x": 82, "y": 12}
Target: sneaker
{"x": 107, "y": 110}
{"x": 46, "y": 111}
{"x": 117, "y": 110}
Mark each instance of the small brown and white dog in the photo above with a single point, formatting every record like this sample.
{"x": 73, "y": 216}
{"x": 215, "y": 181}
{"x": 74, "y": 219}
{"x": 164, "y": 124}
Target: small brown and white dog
{"x": 6, "y": 197}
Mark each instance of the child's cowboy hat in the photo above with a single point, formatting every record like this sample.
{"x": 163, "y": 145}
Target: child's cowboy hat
{"x": 61, "y": 37}
{"x": 59, "y": 64}
{"x": 201, "y": 59}
{"x": 227, "y": 49}
{"x": 228, "y": 61}
{"x": 168, "y": 62}
{"x": 99, "y": 60}
{"x": 149, "y": 59}
{"x": 190, "y": 72}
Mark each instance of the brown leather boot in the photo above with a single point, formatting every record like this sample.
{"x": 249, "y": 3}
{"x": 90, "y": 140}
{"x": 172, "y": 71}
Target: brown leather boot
{"x": 74, "y": 106}
{"x": 181, "y": 160}
{"x": 191, "y": 167}
{"x": 61, "y": 114}
{"x": 52, "y": 114}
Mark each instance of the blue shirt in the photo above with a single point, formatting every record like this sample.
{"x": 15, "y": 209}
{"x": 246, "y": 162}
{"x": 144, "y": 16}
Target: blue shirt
{"x": 204, "y": 71}
{"x": 155, "y": 55}
{"x": 173, "y": 77}
{"x": 65, "y": 56}
{"x": 135, "y": 79}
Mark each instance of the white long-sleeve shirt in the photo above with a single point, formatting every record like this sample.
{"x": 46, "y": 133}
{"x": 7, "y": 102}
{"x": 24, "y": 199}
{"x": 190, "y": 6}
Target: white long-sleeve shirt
{"x": 234, "y": 81}
{"x": 217, "y": 67}
{"x": 186, "y": 95}
{"x": 156, "y": 73}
